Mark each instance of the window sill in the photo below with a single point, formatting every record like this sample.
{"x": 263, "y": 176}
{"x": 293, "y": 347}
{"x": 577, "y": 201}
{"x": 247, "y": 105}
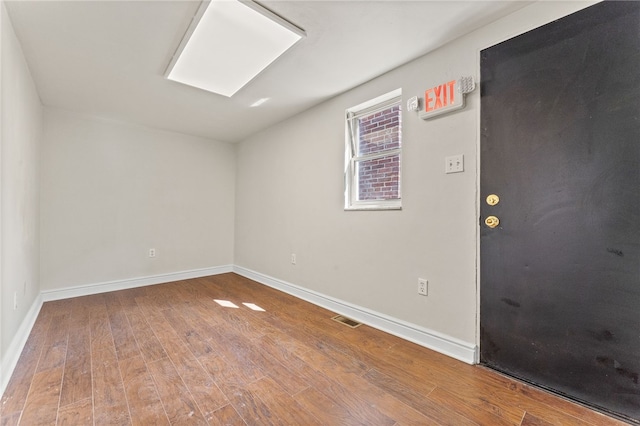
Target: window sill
{"x": 373, "y": 207}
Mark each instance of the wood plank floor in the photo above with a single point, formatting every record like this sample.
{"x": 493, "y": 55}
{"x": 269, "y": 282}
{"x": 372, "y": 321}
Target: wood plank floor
{"x": 168, "y": 354}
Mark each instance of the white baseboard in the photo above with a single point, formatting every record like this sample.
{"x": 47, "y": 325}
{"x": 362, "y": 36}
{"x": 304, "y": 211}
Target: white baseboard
{"x": 14, "y": 351}
{"x": 89, "y": 289}
{"x": 455, "y": 348}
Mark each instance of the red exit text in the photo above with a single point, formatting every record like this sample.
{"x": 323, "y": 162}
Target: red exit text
{"x": 440, "y": 96}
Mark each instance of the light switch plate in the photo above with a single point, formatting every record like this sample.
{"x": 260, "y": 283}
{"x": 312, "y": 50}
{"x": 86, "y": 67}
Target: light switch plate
{"x": 454, "y": 164}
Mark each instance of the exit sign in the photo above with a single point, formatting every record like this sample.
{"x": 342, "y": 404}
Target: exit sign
{"x": 446, "y": 97}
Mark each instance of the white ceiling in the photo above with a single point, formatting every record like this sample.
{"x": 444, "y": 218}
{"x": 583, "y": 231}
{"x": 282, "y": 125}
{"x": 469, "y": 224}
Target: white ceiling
{"x": 107, "y": 58}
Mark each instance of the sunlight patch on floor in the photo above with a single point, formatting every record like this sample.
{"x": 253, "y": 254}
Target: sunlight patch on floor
{"x": 226, "y": 303}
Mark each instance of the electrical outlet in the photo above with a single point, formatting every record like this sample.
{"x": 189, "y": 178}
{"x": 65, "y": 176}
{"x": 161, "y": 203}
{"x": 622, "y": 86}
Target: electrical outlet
{"x": 454, "y": 164}
{"x": 152, "y": 252}
{"x": 423, "y": 286}
{"x": 293, "y": 258}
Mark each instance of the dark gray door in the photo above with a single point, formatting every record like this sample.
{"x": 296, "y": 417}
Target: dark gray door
{"x": 560, "y": 147}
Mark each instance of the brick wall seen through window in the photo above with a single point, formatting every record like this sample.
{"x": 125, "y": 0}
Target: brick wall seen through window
{"x": 379, "y": 178}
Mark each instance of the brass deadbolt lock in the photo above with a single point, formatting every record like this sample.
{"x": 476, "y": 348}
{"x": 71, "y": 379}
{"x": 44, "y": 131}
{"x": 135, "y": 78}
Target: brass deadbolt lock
{"x": 492, "y": 221}
{"x": 493, "y": 199}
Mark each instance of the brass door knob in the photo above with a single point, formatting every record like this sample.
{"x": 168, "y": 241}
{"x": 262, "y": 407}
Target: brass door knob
{"x": 492, "y": 221}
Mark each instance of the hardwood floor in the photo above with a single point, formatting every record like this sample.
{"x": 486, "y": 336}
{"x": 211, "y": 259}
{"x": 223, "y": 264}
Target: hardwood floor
{"x": 169, "y": 354}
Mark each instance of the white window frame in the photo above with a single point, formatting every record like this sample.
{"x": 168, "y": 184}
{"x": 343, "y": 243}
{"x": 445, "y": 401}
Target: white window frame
{"x": 351, "y": 201}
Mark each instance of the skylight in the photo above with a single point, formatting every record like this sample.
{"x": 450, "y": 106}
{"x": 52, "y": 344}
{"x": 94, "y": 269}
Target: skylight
{"x": 229, "y": 45}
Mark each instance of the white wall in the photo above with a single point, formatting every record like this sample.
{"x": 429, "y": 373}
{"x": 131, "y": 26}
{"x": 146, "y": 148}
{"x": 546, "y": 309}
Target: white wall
{"x": 20, "y": 136}
{"x": 290, "y": 197}
{"x": 112, "y": 191}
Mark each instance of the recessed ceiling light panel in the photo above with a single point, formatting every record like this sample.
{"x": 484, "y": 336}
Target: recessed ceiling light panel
{"x": 229, "y": 45}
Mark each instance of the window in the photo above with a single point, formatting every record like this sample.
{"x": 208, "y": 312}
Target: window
{"x": 373, "y": 154}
